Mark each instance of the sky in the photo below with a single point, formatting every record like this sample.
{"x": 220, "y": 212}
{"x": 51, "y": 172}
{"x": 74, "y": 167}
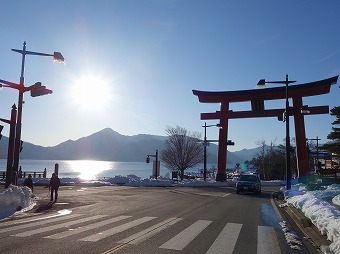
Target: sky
{"x": 320, "y": 206}
{"x": 132, "y": 65}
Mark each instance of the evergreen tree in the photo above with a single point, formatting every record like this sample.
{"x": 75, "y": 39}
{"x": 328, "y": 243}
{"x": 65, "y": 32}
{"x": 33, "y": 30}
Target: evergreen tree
{"x": 334, "y": 146}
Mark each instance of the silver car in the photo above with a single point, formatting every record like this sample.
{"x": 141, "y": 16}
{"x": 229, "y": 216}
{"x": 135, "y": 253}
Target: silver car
{"x": 248, "y": 183}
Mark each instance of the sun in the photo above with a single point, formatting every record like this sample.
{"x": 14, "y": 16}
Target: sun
{"x": 91, "y": 93}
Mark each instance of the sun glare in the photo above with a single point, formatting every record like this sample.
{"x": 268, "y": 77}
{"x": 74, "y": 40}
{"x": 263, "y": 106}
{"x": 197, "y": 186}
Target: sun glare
{"x": 88, "y": 169}
{"x": 90, "y": 93}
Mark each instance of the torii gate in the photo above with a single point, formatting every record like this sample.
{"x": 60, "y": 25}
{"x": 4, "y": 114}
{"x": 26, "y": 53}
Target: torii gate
{"x": 257, "y": 97}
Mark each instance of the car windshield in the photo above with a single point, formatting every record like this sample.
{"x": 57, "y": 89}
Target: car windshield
{"x": 251, "y": 178}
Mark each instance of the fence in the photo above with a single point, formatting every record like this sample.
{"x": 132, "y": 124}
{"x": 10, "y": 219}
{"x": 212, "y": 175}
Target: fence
{"x": 35, "y": 174}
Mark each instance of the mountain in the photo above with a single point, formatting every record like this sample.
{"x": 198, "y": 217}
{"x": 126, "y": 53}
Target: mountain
{"x": 109, "y": 145}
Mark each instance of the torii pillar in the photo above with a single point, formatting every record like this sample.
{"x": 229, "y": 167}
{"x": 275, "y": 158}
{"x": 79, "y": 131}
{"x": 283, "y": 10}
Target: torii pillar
{"x": 257, "y": 98}
{"x": 222, "y": 143}
{"x": 300, "y": 138}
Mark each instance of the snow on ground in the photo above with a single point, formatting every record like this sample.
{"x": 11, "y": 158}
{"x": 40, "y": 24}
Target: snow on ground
{"x": 320, "y": 206}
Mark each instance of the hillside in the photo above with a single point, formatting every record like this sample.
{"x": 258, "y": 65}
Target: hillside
{"x": 109, "y": 145}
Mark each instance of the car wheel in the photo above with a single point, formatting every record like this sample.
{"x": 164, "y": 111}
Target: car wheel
{"x": 237, "y": 192}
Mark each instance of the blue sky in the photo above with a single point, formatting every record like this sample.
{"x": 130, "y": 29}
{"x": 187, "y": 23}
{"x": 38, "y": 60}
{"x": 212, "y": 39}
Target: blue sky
{"x": 143, "y": 59}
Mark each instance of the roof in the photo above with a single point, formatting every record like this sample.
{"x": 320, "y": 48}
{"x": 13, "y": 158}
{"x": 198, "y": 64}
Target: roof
{"x": 301, "y": 90}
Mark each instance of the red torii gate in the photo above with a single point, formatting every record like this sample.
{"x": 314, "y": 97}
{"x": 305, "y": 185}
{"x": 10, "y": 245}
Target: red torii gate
{"x": 296, "y": 92}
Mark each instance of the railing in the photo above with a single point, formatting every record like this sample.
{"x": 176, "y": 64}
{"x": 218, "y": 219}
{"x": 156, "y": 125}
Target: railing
{"x": 35, "y": 174}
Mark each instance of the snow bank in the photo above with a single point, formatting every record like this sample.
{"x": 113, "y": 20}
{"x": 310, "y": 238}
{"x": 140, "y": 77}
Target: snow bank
{"x": 14, "y": 199}
{"x": 318, "y": 207}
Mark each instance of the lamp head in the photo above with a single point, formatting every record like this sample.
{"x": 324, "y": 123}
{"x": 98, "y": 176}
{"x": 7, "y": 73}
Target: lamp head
{"x": 261, "y": 83}
{"x": 58, "y": 57}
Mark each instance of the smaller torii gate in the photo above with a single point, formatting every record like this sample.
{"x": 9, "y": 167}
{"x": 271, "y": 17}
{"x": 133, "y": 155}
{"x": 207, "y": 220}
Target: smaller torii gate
{"x": 257, "y": 98}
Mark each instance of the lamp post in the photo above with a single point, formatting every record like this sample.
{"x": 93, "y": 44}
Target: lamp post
{"x": 261, "y": 83}
{"x": 35, "y": 89}
{"x": 205, "y": 143}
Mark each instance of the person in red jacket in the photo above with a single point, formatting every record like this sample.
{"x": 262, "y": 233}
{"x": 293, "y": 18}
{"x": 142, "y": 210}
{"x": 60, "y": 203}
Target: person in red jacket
{"x": 54, "y": 186}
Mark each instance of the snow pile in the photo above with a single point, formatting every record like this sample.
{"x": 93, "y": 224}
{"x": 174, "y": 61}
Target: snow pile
{"x": 166, "y": 182}
{"x": 336, "y": 200}
{"x": 317, "y": 206}
{"x": 14, "y": 199}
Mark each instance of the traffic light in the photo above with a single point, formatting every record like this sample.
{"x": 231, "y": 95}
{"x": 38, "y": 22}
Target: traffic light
{"x": 147, "y": 159}
{"x": 37, "y": 90}
{"x": 1, "y": 127}
{"x": 230, "y": 143}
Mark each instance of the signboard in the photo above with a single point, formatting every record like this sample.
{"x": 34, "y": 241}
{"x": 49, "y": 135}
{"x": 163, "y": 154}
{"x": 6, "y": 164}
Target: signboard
{"x": 257, "y": 106}
{"x": 321, "y": 155}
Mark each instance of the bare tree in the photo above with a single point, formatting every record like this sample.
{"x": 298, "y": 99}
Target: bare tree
{"x": 183, "y": 149}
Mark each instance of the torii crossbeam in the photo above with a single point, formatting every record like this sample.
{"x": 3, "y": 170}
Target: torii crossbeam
{"x": 257, "y": 97}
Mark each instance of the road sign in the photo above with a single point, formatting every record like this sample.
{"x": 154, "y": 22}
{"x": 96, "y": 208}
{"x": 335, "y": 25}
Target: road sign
{"x": 257, "y": 106}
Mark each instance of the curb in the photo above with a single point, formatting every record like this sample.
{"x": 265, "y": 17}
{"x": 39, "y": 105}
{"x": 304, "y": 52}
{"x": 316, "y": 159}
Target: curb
{"x": 305, "y": 225}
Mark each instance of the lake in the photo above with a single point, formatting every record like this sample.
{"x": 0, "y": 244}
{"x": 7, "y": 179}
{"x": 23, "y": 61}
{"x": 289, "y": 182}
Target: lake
{"x": 90, "y": 169}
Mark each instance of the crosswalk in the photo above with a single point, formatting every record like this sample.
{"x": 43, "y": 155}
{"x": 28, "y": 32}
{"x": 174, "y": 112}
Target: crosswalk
{"x": 97, "y": 227}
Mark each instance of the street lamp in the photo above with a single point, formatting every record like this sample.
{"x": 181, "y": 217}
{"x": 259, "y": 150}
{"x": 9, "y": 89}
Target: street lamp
{"x": 205, "y": 143}
{"x": 35, "y": 89}
{"x": 262, "y": 83}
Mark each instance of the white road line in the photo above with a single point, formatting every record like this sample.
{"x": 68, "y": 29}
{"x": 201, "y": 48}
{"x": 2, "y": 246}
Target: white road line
{"x": 53, "y": 227}
{"x": 226, "y": 240}
{"x": 186, "y": 236}
{"x": 78, "y": 230}
{"x": 38, "y": 223}
{"x": 149, "y": 232}
{"x": 225, "y": 195}
{"x": 36, "y": 217}
{"x": 267, "y": 242}
{"x": 115, "y": 230}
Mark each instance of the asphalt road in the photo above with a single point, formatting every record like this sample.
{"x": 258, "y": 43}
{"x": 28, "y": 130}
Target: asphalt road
{"x": 148, "y": 220}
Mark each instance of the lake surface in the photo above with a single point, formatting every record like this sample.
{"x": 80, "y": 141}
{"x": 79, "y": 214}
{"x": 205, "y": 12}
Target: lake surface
{"x": 90, "y": 169}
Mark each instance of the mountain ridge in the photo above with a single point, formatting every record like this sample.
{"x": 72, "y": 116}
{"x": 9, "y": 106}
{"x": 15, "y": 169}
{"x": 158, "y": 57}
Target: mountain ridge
{"x": 109, "y": 145}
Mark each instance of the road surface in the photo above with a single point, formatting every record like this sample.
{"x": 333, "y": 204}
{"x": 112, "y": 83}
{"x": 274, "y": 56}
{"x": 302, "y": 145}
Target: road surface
{"x": 119, "y": 219}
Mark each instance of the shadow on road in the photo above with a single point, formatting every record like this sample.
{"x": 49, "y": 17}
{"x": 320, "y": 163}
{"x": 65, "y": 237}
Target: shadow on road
{"x": 44, "y": 207}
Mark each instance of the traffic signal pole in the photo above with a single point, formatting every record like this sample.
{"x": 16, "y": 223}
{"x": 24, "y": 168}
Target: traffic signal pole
{"x": 9, "y": 172}
{"x": 148, "y": 160}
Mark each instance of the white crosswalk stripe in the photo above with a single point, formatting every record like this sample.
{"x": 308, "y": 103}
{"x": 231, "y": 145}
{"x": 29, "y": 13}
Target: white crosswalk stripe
{"x": 86, "y": 228}
{"x": 149, "y": 232}
{"x": 53, "y": 227}
{"x": 115, "y": 230}
{"x": 181, "y": 240}
{"x": 226, "y": 240}
{"x": 73, "y": 224}
{"x": 38, "y": 223}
